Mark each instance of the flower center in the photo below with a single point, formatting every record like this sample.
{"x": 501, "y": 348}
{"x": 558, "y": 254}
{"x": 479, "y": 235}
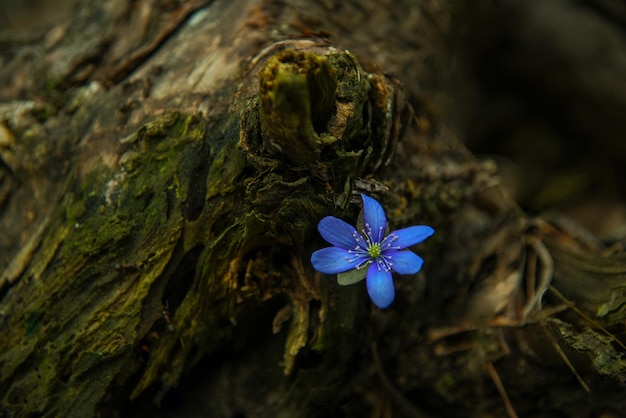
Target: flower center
{"x": 374, "y": 250}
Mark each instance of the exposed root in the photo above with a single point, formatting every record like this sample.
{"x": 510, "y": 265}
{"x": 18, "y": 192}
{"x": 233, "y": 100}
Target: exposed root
{"x": 586, "y": 317}
{"x": 495, "y": 377}
{"x": 563, "y": 356}
{"x": 535, "y": 293}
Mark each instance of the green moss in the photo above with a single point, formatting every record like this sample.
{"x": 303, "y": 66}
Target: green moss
{"x": 88, "y": 305}
{"x": 228, "y": 164}
{"x": 599, "y": 350}
{"x": 297, "y": 91}
{"x": 108, "y": 206}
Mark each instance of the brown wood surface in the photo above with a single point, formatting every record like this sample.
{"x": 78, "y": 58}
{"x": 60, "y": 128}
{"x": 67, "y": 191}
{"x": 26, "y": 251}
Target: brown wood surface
{"x": 158, "y": 209}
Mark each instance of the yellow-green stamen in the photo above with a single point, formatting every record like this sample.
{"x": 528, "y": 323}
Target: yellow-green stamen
{"x": 374, "y": 250}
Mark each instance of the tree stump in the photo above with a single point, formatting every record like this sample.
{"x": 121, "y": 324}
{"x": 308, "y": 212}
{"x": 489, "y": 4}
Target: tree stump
{"x": 163, "y": 168}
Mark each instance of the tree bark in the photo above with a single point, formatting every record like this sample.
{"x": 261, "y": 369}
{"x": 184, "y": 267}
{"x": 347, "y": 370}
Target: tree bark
{"x": 163, "y": 168}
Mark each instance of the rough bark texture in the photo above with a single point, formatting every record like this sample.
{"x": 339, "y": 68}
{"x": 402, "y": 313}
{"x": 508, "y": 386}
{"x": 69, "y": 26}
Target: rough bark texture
{"x": 163, "y": 167}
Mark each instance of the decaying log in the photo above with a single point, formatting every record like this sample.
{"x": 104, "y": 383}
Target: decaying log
{"x": 163, "y": 168}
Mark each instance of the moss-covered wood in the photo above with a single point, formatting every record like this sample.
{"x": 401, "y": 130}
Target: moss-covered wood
{"x": 159, "y": 208}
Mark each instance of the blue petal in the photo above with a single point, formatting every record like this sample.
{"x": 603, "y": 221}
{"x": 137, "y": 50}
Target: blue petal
{"x": 332, "y": 260}
{"x": 380, "y": 286}
{"x": 405, "y": 262}
{"x": 374, "y": 216}
{"x": 410, "y": 236}
{"x": 337, "y": 232}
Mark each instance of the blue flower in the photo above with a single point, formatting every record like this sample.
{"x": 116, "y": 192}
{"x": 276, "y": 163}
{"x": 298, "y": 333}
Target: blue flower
{"x": 370, "y": 253}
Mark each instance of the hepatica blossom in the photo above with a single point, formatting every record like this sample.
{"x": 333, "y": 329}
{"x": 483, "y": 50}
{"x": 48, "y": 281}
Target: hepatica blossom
{"x": 370, "y": 253}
